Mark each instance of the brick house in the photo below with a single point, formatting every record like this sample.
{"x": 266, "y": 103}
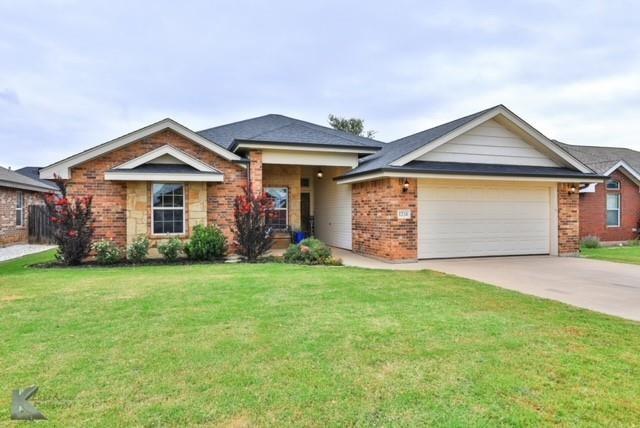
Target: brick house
{"x": 485, "y": 184}
{"x": 17, "y": 193}
{"x": 610, "y": 210}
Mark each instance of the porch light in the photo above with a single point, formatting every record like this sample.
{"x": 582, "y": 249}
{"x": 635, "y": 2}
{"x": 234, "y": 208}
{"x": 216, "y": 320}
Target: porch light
{"x": 572, "y": 190}
{"x": 319, "y": 174}
{"x": 405, "y": 185}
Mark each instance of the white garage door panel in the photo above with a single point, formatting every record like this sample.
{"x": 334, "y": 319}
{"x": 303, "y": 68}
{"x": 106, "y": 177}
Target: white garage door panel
{"x": 470, "y": 219}
{"x": 333, "y": 210}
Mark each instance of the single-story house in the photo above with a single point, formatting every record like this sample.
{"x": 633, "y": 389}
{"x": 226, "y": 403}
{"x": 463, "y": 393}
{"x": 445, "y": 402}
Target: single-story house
{"x": 611, "y": 210}
{"x": 17, "y": 193}
{"x": 483, "y": 185}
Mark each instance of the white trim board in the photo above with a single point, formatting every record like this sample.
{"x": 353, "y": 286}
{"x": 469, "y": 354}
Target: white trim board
{"x": 62, "y": 168}
{"x": 302, "y": 147}
{"x": 498, "y": 112}
{"x": 171, "y": 151}
{"x": 373, "y": 176}
{"x": 163, "y": 177}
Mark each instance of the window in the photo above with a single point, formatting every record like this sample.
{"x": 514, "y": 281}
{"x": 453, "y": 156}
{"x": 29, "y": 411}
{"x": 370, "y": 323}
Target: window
{"x": 613, "y": 185}
{"x": 19, "y": 209}
{"x": 304, "y": 182}
{"x": 280, "y": 211}
{"x": 168, "y": 209}
{"x": 613, "y": 209}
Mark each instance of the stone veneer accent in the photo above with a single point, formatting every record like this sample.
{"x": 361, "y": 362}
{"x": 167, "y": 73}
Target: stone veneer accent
{"x": 376, "y": 229}
{"x": 568, "y": 219}
{"x": 111, "y": 197}
{"x": 286, "y": 176}
{"x": 10, "y": 233}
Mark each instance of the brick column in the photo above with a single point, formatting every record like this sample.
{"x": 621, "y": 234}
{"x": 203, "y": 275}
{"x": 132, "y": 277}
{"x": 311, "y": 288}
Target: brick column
{"x": 255, "y": 170}
{"x": 568, "y": 219}
{"x": 377, "y": 230}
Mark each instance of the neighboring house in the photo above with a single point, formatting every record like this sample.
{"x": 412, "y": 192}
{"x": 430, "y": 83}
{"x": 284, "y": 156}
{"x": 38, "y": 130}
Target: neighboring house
{"x": 485, "y": 184}
{"x": 17, "y": 193}
{"x": 610, "y": 211}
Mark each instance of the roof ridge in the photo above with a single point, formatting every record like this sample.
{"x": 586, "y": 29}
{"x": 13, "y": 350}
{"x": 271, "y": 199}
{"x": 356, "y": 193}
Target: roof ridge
{"x": 598, "y": 147}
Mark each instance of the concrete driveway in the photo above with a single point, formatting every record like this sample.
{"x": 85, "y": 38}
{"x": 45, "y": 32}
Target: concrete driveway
{"x": 608, "y": 287}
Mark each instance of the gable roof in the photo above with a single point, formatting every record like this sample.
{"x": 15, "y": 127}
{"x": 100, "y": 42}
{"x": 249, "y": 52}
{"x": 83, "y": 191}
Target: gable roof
{"x": 283, "y": 130}
{"x": 167, "y": 150}
{"x": 401, "y": 152}
{"x": 34, "y": 173}
{"x": 604, "y": 160}
{"x": 15, "y": 180}
{"x": 62, "y": 167}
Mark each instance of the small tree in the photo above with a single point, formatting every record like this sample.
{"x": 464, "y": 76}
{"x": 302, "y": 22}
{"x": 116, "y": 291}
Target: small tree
{"x": 252, "y": 234}
{"x": 353, "y": 126}
{"x": 72, "y": 224}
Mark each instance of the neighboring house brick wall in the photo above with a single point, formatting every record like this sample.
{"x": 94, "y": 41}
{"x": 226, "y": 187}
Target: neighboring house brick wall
{"x": 110, "y": 197}
{"x": 377, "y": 231}
{"x": 568, "y": 219}
{"x": 10, "y": 233}
{"x": 593, "y": 211}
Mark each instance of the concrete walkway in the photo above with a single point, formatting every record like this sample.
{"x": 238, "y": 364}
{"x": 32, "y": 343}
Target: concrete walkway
{"x": 15, "y": 251}
{"x": 607, "y": 287}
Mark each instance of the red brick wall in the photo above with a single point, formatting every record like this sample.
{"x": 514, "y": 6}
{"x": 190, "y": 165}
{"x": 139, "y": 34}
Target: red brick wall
{"x": 568, "y": 219}
{"x": 593, "y": 211}
{"x": 10, "y": 233}
{"x": 110, "y": 197}
{"x": 376, "y": 229}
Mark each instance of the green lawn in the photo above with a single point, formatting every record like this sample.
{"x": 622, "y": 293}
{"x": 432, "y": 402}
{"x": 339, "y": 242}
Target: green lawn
{"x": 287, "y": 345}
{"x": 614, "y": 254}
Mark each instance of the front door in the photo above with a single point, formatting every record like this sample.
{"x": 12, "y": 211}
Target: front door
{"x": 305, "y": 212}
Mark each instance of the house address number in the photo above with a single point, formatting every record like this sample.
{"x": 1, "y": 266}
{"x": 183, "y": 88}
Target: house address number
{"x": 404, "y": 214}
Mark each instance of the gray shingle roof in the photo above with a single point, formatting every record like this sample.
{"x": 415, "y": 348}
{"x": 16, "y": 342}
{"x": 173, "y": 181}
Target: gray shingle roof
{"x": 275, "y": 128}
{"x": 14, "y": 180}
{"x": 34, "y": 173}
{"x": 601, "y": 159}
{"x": 399, "y": 148}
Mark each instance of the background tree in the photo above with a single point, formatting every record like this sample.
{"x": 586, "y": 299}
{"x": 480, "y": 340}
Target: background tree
{"x": 253, "y": 236}
{"x": 353, "y": 126}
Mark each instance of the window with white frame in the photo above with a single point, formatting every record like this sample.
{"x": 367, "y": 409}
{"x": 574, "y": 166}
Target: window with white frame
{"x": 19, "y": 209}
{"x": 613, "y": 185}
{"x": 279, "y": 216}
{"x": 613, "y": 209}
{"x": 168, "y": 208}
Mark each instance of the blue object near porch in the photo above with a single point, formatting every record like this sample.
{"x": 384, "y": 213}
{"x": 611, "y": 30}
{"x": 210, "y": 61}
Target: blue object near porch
{"x": 299, "y": 237}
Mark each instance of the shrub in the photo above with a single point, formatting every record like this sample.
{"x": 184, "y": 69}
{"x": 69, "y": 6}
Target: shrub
{"x": 207, "y": 243}
{"x": 139, "y": 249}
{"x": 634, "y": 242}
{"x": 107, "y": 252}
{"x": 310, "y": 251}
{"x": 171, "y": 249}
{"x": 72, "y": 221}
{"x": 590, "y": 242}
{"x": 253, "y": 236}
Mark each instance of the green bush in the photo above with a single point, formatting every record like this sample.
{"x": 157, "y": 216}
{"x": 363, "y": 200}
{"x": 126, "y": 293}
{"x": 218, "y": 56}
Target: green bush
{"x": 207, "y": 243}
{"x": 139, "y": 249}
{"x": 590, "y": 242}
{"x": 107, "y": 253}
{"x": 171, "y": 249}
{"x": 310, "y": 251}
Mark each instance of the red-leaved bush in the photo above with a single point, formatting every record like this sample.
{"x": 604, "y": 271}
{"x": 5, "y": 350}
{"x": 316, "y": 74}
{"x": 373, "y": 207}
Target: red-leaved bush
{"x": 253, "y": 236}
{"x": 72, "y": 224}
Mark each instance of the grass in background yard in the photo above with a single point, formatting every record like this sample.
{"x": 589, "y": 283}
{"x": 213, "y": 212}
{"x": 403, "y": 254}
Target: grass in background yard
{"x": 275, "y": 344}
{"x": 629, "y": 254}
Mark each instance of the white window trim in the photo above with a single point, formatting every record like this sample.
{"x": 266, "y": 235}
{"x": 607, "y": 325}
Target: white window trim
{"x": 619, "y": 209}
{"x": 266, "y": 189}
{"x": 613, "y": 181}
{"x": 20, "y": 208}
{"x": 184, "y": 212}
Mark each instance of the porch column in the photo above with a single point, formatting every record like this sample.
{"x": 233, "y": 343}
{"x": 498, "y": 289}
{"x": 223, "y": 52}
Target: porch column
{"x": 255, "y": 171}
{"x": 568, "y": 219}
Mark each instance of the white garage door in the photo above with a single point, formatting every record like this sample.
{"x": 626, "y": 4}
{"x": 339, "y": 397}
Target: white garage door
{"x": 483, "y": 218}
{"x": 333, "y": 210}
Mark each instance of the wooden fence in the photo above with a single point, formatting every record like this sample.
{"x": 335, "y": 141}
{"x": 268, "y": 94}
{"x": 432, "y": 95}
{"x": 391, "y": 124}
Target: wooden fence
{"x": 40, "y": 226}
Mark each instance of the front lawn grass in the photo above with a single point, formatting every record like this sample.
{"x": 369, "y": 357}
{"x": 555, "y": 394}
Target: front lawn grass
{"x": 630, "y": 254}
{"x": 283, "y": 345}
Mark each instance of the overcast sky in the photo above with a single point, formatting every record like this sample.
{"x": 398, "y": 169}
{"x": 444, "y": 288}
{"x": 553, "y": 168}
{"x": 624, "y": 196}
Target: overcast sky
{"x": 76, "y": 74}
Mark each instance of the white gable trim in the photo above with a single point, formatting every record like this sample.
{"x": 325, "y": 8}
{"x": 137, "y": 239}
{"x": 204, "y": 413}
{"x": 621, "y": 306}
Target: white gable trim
{"x": 632, "y": 173}
{"x": 125, "y": 175}
{"x": 511, "y": 117}
{"x": 62, "y": 168}
{"x": 171, "y": 151}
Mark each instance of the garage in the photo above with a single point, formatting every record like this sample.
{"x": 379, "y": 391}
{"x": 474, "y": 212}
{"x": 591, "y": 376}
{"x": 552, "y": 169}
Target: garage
{"x": 475, "y": 218}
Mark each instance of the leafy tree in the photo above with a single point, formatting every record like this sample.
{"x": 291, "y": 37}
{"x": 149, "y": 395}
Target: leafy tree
{"x": 72, "y": 224}
{"x": 353, "y": 126}
{"x": 253, "y": 236}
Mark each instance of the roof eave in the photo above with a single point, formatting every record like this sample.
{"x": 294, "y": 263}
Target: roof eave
{"x": 244, "y": 143}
